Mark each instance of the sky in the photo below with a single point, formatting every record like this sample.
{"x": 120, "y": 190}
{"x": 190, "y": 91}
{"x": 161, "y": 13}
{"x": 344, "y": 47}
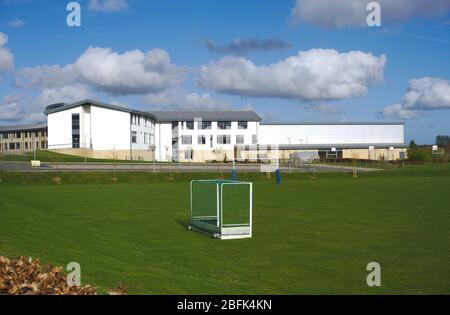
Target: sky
{"x": 292, "y": 61}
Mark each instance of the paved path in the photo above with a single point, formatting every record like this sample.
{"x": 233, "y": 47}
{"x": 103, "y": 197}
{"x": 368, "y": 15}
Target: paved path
{"x": 166, "y": 167}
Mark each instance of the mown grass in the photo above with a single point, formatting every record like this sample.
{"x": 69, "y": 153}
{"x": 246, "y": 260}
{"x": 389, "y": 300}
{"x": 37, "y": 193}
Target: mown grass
{"x": 312, "y": 234}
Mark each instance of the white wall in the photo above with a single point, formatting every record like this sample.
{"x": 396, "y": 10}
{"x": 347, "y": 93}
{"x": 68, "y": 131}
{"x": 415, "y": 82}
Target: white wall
{"x": 330, "y": 134}
{"x": 163, "y": 142}
{"x": 60, "y": 128}
{"x": 110, "y": 129}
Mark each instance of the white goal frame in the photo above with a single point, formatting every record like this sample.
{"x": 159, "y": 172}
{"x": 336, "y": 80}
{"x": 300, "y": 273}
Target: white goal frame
{"x": 219, "y": 229}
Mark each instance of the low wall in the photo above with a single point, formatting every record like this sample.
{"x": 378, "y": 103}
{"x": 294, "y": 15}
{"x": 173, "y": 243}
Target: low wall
{"x": 139, "y": 155}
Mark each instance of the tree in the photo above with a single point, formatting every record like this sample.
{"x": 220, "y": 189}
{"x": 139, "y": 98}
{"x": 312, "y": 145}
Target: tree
{"x": 412, "y": 144}
{"x": 442, "y": 141}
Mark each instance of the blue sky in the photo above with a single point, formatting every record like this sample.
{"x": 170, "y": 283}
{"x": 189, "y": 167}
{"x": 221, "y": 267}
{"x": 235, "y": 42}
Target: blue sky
{"x": 359, "y": 87}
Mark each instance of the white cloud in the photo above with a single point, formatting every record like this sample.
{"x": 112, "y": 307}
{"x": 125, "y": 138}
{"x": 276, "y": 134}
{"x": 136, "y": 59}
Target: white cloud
{"x": 316, "y": 74}
{"x": 133, "y": 72}
{"x": 65, "y": 94}
{"x": 324, "y": 108}
{"x": 20, "y": 107}
{"x": 6, "y": 57}
{"x": 423, "y": 94}
{"x": 351, "y": 13}
{"x": 16, "y": 23}
{"x": 107, "y": 5}
{"x": 398, "y": 111}
{"x": 180, "y": 100}
{"x": 11, "y": 108}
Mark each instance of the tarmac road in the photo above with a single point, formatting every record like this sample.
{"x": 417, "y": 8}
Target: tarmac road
{"x": 165, "y": 167}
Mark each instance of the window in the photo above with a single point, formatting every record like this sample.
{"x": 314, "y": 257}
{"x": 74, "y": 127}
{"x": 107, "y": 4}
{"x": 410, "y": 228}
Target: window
{"x": 224, "y": 125}
{"x": 134, "y": 137}
{"x": 186, "y": 139}
{"x": 188, "y": 155}
{"x": 254, "y": 139}
{"x": 75, "y": 131}
{"x": 145, "y": 137}
{"x": 223, "y": 139}
{"x": 42, "y": 133}
{"x": 43, "y": 144}
{"x": 36, "y": 134}
{"x": 189, "y": 125}
{"x": 204, "y": 125}
{"x": 18, "y": 135}
{"x": 239, "y": 139}
{"x": 201, "y": 140}
{"x": 12, "y": 146}
{"x": 4, "y": 136}
{"x": 242, "y": 125}
{"x": 26, "y": 145}
{"x": 17, "y": 146}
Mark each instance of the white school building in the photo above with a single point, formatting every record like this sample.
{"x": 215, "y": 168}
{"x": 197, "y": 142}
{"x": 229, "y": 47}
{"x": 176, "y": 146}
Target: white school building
{"x": 99, "y": 130}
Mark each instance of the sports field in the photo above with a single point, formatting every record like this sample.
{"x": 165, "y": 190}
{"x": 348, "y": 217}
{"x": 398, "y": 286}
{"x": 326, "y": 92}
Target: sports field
{"x": 312, "y": 235}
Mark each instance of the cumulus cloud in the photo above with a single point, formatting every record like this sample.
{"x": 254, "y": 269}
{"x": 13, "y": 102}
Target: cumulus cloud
{"x": 423, "y": 94}
{"x": 64, "y": 94}
{"x": 133, "y": 72}
{"x": 397, "y": 111}
{"x": 19, "y": 107}
{"x": 107, "y": 5}
{"x": 351, "y": 13}
{"x": 11, "y": 108}
{"x": 180, "y": 100}
{"x": 6, "y": 57}
{"x": 242, "y": 45}
{"x": 316, "y": 74}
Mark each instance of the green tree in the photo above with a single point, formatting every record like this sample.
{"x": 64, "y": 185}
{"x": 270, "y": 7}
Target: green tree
{"x": 442, "y": 141}
{"x": 412, "y": 144}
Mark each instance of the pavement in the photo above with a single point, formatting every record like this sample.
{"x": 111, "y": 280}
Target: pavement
{"x": 167, "y": 167}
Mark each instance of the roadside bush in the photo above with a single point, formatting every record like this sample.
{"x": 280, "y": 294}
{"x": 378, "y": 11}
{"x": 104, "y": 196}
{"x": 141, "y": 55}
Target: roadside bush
{"x": 419, "y": 155}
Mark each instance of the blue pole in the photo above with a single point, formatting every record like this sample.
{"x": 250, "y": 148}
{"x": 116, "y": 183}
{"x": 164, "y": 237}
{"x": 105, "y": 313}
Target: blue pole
{"x": 233, "y": 175}
{"x": 278, "y": 175}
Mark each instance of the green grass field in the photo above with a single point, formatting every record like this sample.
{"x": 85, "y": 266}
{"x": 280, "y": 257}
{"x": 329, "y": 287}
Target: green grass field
{"x": 311, "y": 236}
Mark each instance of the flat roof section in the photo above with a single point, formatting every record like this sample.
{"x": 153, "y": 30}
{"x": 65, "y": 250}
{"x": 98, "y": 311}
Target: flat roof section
{"x": 350, "y": 123}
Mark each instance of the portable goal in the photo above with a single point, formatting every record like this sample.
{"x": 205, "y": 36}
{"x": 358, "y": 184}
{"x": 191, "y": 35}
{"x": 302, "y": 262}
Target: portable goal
{"x": 221, "y": 208}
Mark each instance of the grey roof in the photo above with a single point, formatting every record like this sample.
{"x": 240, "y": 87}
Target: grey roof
{"x": 54, "y": 108}
{"x": 16, "y": 128}
{"x": 337, "y": 146}
{"x": 213, "y": 115}
{"x": 334, "y": 123}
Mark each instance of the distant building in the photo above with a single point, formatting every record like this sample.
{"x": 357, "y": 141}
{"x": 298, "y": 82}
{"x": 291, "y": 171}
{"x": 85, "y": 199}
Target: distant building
{"x": 99, "y": 130}
{"x": 22, "y": 138}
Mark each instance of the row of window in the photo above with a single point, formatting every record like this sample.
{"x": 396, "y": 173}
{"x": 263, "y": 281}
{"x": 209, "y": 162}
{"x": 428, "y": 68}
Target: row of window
{"x": 147, "y": 137}
{"x": 205, "y": 125}
{"x": 221, "y": 139}
{"x": 140, "y": 120}
{"x": 26, "y": 146}
{"x": 20, "y": 135}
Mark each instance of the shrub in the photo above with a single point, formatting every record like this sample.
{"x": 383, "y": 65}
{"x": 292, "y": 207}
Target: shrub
{"x": 419, "y": 155}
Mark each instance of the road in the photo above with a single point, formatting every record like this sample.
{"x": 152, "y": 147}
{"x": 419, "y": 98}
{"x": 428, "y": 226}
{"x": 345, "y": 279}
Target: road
{"x": 165, "y": 167}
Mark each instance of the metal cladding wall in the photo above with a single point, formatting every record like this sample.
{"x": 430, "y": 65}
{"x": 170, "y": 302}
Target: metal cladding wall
{"x": 331, "y": 133}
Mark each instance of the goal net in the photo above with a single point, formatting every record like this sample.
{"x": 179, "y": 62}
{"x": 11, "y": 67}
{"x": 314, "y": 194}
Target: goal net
{"x": 222, "y": 208}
